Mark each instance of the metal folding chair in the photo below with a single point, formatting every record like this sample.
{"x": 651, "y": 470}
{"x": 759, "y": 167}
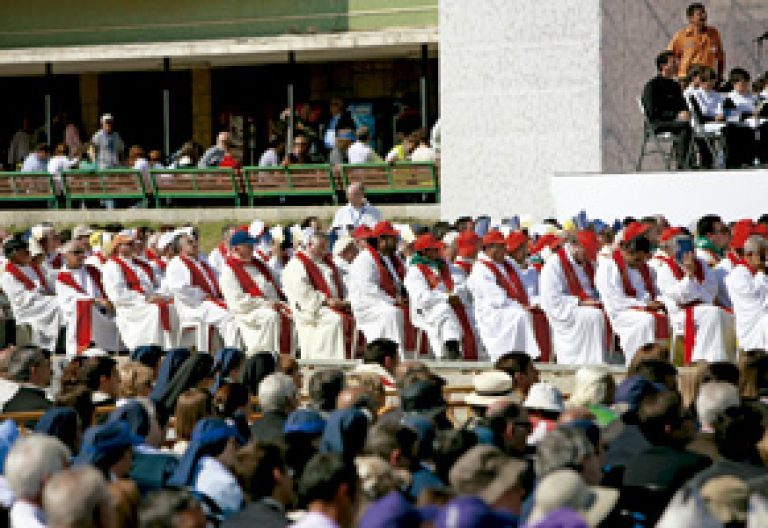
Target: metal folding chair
{"x": 710, "y": 135}
{"x": 662, "y": 142}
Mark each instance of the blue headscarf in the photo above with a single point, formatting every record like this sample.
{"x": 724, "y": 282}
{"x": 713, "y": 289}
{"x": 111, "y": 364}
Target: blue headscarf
{"x": 9, "y": 433}
{"x": 135, "y": 415}
{"x": 306, "y": 421}
{"x": 99, "y": 441}
{"x": 345, "y": 433}
{"x": 225, "y": 361}
{"x": 148, "y": 355}
{"x": 195, "y": 369}
{"x": 61, "y": 423}
{"x": 209, "y": 437}
{"x": 171, "y": 363}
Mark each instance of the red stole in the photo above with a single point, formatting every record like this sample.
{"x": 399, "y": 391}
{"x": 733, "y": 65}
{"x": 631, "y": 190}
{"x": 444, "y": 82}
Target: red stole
{"x": 146, "y": 268}
{"x": 222, "y": 250}
{"x": 100, "y": 257}
{"x": 56, "y": 261}
{"x": 83, "y": 307}
{"x": 386, "y": 281}
{"x": 734, "y": 258}
{"x": 133, "y": 283}
{"x": 689, "y": 326}
{"x": 468, "y": 341}
{"x": 571, "y": 278}
{"x": 20, "y": 276}
{"x": 208, "y": 284}
{"x": 250, "y": 287}
{"x": 465, "y": 265}
{"x": 662, "y": 323}
{"x": 150, "y": 255}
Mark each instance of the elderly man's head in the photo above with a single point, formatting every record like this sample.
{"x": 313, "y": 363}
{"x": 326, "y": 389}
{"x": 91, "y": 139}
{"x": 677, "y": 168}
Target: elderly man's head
{"x": 754, "y": 252}
{"x": 567, "y": 447}
{"x": 78, "y": 498}
{"x": 185, "y": 245}
{"x": 31, "y": 462}
{"x": 29, "y": 365}
{"x": 278, "y": 393}
{"x": 74, "y": 254}
{"x": 222, "y": 139}
{"x": 713, "y": 399}
{"x": 317, "y": 245}
{"x": 356, "y": 194}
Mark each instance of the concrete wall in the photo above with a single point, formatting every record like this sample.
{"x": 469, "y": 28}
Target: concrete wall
{"x": 519, "y": 99}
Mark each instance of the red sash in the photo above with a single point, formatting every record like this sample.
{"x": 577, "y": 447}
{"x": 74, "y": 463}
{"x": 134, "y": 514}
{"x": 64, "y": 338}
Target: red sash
{"x": 133, "y": 283}
{"x": 660, "y": 319}
{"x": 146, "y": 268}
{"x": 209, "y": 285}
{"x": 571, "y": 279}
{"x": 83, "y": 307}
{"x": 250, "y": 287}
{"x": 463, "y": 264}
{"x": 100, "y": 257}
{"x": 56, "y": 261}
{"x": 734, "y": 258}
{"x": 150, "y": 255}
{"x": 20, "y": 276}
{"x": 222, "y": 250}
{"x": 468, "y": 341}
{"x": 689, "y": 326}
{"x": 386, "y": 281}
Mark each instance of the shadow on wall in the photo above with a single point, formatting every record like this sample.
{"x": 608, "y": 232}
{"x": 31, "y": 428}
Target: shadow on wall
{"x": 633, "y": 32}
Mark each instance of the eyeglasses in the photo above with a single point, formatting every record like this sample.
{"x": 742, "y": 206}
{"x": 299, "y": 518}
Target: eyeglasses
{"x": 78, "y": 252}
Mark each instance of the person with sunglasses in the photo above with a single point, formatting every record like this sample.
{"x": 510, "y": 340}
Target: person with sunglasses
{"x": 748, "y": 290}
{"x": 88, "y": 314}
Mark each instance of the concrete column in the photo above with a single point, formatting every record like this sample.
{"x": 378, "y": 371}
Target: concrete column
{"x": 201, "y": 106}
{"x": 89, "y": 103}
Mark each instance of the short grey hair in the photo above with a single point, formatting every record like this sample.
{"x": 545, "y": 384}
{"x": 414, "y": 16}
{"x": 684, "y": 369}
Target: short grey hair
{"x": 277, "y": 392}
{"x": 753, "y": 244}
{"x": 564, "y": 447}
{"x": 713, "y": 399}
{"x": 73, "y": 498}
{"x": 33, "y": 460}
{"x": 22, "y": 360}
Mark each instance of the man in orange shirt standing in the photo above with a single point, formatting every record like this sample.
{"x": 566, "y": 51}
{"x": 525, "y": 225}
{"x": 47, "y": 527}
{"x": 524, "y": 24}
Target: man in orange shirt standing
{"x": 698, "y": 43}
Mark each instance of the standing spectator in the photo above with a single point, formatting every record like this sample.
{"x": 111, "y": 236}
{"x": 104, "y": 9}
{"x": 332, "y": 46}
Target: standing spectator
{"x": 72, "y": 135}
{"x": 213, "y": 156}
{"x": 360, "y": 151}
{"x": 358, "y": 210}
{"x": 31, "y": 462}
{"x": 272, "y": 156}
{"x": 697, "y": 43}
{"x": 78, "y": 498}
{"x": 340, "y": 118}
{"x": 20, "y": 144}
{"x": 109, "y": 145}
{"x": 423, "y": 152}
{"x": 36, "y": 161}
{"x": 665, "y": 107}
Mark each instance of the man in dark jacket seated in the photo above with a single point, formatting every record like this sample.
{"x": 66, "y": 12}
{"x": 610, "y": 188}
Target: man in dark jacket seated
{"x": 30, "y": 367}
{"x": 278, "y": 399}
{"x": 665, "y": 106}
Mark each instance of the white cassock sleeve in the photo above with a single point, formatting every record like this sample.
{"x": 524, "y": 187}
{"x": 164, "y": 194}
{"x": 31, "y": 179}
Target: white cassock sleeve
{"x": 687, "y": 289}
{"x": 420, "y": 295}
{"x": 67, "y": 298}
{"x": 608, "y": 283}
{"x": 18, "y": 295}
{"x": 554, "y": 295}
{"x": 747, "y": 292}
{"x": 299, "y": 290}
{"x": 178, "y": 280}
{"x": 238, "y": 301}
{"x": 364, "y": 282}
{"x": 216, "y": 261}
{"x": 117, "y": 289}
{"x": 460, "y": 285}
{"x": 485, "y": 290}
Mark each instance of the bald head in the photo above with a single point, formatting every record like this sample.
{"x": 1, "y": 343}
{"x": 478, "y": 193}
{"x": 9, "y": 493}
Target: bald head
{"x": 356, "y": 194}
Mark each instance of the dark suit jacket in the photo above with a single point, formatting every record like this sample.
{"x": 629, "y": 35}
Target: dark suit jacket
{"x": 629, "y": 442}
{"x": 269, "y": 428}
{"x": 258, "y": 514}
{"x": 664, "y": 468}
{"x": 723, "y": 467}
{"x": 28, "y": 399}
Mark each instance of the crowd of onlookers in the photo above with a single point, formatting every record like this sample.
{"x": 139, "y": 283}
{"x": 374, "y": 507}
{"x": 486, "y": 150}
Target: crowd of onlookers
{"x": 717, "y": 120}
{"x": 380, "y": 445}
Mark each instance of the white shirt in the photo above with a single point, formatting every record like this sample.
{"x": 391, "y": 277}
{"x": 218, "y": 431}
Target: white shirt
{"x": 709, "y": 102}
{"x": 422, "y": 153}
{"x": 315, "y": 520}
{"x": 26, "y": 515}
{"x": 218, "y": 483}
{"x": 349, "y": 216}
{"x": 58, "y": 164}
{"x": 269, "y": 158}
{"x": 359, "y": 152}
{"x": 744, "y": 103}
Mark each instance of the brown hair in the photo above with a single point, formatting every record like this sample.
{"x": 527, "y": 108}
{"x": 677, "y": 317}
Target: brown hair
{"x": 753, "y": 367}
{"x": 125, "y": 499}
{"x": 134, "y": 377}
{"x": 192, "y": 405}
{"x": 134, "y": 153}
{"x": 647, "y": 351}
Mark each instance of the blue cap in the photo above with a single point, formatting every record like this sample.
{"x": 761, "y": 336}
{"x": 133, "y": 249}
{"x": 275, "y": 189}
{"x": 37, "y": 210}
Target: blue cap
{"x": 242, "y": 237}
{"x": 347, "y": 135}
{"x": 305, "y": 421}
{"x": 102, "y": 440}
{"x": 472, "y": 512}
{"x": 633, "y": 389}
{"x": 135, "y": 415}
{"x": 206, "y": 433}
{"x": 149, "y": 355}
{"x": 9, "y": 433}
{"x": 393, "y": 511}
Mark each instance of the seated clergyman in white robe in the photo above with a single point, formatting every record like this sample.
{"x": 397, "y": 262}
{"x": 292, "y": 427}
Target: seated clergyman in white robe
{"x": 196, "y": 292}
{"x": 503, "y": 323}
{"x": 256, "y": 301}
{"x": 313, "y": 288}
{"x": 688, "y": 290}
{"x": 435, "y": 306}
{"x": 88, "y": 314}
{"x": 144, "y": 317}
{"x": 748, "y": 288}
{"x": 627, "y": 290}
{"x": 568, "y": 297}
{"x": 31, "y": 295}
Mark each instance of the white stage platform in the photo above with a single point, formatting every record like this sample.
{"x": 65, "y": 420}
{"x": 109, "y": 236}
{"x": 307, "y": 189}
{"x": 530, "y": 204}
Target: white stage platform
{"x": 682, "y": 197}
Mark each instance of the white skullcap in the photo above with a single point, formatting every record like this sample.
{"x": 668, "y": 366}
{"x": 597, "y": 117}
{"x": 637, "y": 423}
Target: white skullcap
{"x": 256, "y": 229}
{"x": 306, "y": 234}
{"x": 35, "y": 248}
{"x": 450, "y": 237}
{"x": 39, "y": 231}
{"x": 277, "y": 234}
{"x": 165, "y": 240}
{"x": 186, "y": 230}
{"x": 406, "y": 232}
{"x": 342, "y": 244}
{"x": 296, "y": 233}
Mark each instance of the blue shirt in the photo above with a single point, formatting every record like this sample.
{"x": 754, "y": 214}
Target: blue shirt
{"x": 421, "y": 479}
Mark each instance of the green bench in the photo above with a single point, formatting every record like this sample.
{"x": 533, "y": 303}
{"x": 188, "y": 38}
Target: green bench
{"x": 399, "y": 178}
{"x": 105, "y": 184}
{"x": 293, "y": 180}
{"x": 195, "y": 183}
{"x": 27, "y": 187}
